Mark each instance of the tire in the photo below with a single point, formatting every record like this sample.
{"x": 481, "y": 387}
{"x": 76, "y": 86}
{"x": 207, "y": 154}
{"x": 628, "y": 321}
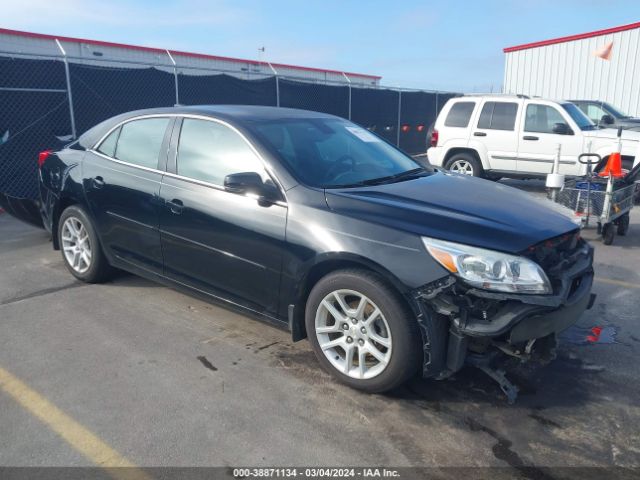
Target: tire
{"x": 608, "y": 234}
{"x": 623, "y": 225}
{"x": 394, "y": 326}
{"x": 80, "y": 247}
{"x": 466, "y": 164}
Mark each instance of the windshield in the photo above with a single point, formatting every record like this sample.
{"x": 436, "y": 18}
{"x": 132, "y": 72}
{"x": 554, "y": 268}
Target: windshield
{"x": 614, "y": 111}
{"x": 578, "y": 116}
{"x": 330, "y": 152}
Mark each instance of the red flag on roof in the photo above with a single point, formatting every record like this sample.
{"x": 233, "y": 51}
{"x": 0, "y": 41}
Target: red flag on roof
{"x": 604, "y": 52}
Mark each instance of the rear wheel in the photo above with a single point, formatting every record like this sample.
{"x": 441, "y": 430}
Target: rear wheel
{"x": 623, "y": 224}
{"x": 465, "y": 164}
{"x": 361, "y": 331}
{"x": 608, "y": 233}
{"x": 81, "y": 250}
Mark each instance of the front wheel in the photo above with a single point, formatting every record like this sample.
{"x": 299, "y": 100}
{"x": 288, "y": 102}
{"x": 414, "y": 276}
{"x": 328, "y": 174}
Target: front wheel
{"x": 361, "y": 331}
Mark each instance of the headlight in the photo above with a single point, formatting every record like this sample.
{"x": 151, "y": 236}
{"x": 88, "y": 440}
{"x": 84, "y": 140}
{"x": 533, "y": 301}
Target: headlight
{"x": 489, "y": 269}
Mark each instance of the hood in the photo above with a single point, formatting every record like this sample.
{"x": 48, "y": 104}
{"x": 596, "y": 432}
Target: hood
{"x": 457, "y": 208}
{"x": 612, "y": 133}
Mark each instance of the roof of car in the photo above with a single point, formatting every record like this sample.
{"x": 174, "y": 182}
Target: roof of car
{"x": 237, "y": 112}
{"x": 232, "y": 113}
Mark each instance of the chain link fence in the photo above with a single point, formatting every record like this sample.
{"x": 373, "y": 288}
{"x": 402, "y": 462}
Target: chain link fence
{"x": 47, "y": 101}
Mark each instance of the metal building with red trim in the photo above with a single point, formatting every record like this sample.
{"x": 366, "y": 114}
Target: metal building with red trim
{"x": 566, "y": 68}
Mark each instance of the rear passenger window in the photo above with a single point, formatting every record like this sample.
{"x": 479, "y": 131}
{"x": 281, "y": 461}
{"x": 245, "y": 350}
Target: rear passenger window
{"x": 460, "y": 114}
{"x": 108, "y": 145}
{"x": 140, "y": 141}
{"x": 498, "y": 116}
{"x": 209, "y": 151}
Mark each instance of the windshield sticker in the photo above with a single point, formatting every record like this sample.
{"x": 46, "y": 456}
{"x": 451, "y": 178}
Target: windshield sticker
{"x": 362, "y": 134}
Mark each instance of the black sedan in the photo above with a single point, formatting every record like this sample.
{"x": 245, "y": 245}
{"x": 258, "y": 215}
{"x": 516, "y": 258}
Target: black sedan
{"x": 313, "y": 223}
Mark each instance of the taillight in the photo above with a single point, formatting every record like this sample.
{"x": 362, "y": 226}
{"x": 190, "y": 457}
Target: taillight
{"x": 434, "y": 138}
{"x": 405, "y": 128}
{"x": 420, "y": 128}
{"x": 42, "y": 157}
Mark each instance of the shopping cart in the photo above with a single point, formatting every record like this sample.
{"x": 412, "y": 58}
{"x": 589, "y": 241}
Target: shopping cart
{"x": 603, "y": 201}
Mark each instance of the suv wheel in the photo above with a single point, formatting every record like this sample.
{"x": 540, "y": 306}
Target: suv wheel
{"x": 465, "y": 164}
{"x": 361, "y": 331}
{"x": 80, "y": 247}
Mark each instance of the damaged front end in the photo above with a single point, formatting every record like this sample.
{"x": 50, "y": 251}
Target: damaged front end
{"x": 483, "y": 326}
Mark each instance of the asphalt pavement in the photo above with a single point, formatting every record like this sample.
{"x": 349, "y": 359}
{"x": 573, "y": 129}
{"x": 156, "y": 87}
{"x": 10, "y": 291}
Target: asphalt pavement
{"x": 133, "y": 373}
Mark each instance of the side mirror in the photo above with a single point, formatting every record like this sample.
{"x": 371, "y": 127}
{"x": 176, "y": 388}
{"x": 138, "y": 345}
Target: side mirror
{"x": 607, "y": 119}
{"x": 250, "y": 182}
{"x": 562, "y": 129}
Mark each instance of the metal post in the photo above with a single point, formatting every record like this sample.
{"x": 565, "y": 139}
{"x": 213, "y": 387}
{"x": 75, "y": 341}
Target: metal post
{"x": 349, "y": 84}
{"x": 72, "y": 116}
{"x": 399, "y": 113}
{"x": 275, "y": 73}
{"x": 175, "y": 76}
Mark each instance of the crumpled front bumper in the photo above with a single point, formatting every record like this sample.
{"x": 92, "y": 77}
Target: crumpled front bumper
{"x": 526, "y": 317}
{"x": 511, "y": 320}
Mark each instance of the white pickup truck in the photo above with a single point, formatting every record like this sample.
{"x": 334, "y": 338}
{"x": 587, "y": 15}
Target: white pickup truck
{"x": 497, "y": 136}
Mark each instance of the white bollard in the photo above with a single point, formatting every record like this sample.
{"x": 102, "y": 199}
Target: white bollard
{"x": 555, "y": 180}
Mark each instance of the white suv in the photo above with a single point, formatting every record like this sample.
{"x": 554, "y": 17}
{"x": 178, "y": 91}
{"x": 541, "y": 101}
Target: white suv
{"x": 517, "y": 136}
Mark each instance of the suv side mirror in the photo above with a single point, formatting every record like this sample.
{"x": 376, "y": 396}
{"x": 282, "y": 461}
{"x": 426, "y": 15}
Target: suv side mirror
{"x": 562, "y": 129}
{"x": 250, "y": 182}
{"x": 607, "y": 119}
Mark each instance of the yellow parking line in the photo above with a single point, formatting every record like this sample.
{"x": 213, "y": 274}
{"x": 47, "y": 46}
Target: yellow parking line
{"x": 80, "y": 438}
{"x": 619, "y": 283}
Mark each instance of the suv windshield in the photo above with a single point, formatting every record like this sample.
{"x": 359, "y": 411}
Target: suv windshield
{"x": 614, "y": 111}
{"x": 330, "y": 153}
{"x": 578, "y": 116}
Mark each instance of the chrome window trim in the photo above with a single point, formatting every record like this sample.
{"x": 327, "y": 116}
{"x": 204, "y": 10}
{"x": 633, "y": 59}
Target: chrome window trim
{"x": 265, "y": 164}
{"x": 140, "y": 167}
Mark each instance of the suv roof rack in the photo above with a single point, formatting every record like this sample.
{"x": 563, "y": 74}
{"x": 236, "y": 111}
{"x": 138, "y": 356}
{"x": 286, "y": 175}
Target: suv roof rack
{"x": 517, "y": 95}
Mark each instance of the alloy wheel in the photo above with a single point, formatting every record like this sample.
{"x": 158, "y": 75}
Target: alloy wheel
{"x": 353, "y": 334}
{"x": 462, "y": 166}
{"x": 76, "y": 244}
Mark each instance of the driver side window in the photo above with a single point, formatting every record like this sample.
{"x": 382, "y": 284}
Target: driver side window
{"x": 209, "y": 151}
{"x": 541, "y": 118}
{"x": 595, "y": 113}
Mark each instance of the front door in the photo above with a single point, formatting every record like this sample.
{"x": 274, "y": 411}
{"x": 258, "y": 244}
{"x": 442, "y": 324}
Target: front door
{"x": 538, "y": 145}
{"x": 227, "y": 244}
{"x": 122, "y": 185}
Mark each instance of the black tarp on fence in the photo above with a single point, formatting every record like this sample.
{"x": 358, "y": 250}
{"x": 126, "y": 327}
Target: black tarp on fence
{"x": 34, "y": 106}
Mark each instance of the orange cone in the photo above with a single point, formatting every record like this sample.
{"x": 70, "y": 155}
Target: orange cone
{"x": 614, "y": 166}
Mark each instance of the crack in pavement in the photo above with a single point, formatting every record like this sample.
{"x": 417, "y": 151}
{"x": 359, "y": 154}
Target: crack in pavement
{"x": 42, "y": 292}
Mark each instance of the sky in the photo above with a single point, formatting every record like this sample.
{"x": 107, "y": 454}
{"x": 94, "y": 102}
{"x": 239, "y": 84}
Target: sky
{"x": 433, "y": 44}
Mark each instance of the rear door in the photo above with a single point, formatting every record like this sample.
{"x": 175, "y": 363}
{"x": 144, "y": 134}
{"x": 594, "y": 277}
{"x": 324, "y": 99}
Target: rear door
{"x": 538, "y": 144}
{"x": 227, "y": 244}
{"x": 496, "y": 133}
{"x": 122, "y": 185}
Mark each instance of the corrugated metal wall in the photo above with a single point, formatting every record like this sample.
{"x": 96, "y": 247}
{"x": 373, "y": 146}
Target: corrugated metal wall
{"x": 569, "y": 70}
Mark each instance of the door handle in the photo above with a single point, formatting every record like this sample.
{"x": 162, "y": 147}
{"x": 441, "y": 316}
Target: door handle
{"x": 175, "y": 206}
{"x": 479, "y": 134}
{"x": 98, "y": 182}
{"x": 530, "y": 137}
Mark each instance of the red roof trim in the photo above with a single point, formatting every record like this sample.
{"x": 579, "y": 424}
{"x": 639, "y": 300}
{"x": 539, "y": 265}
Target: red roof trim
{"x": 571, "y": 38}
{"x": 176, "y": 52}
